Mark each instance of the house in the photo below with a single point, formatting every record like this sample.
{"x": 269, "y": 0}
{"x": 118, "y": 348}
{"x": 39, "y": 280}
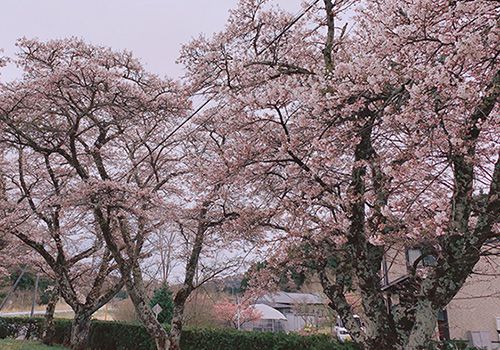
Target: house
{"x": 474, "y": 313}
{"x": 299, "y": 309}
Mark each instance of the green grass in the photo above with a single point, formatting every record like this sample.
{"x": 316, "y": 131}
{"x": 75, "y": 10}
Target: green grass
{"x": 11, "y": 344}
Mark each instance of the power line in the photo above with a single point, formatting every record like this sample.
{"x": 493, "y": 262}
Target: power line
{"x": 211, "y": 98}
{"x": 288, "y": 26}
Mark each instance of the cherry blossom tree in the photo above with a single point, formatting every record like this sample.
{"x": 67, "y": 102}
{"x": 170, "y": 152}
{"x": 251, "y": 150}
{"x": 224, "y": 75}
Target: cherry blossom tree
{"x": 92, "y": 150}
{"x": 209, "y": 220}
{"x": 90, "y": 161}
{"x": 364, "y": 139}
{"x": 4, "y": 239}
{"x": 234, "y": 314}
{"x": 41, "y": 216}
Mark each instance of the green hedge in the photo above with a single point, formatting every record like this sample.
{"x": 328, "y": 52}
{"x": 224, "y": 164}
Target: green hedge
{"x": 124, "y": 336}
{"x": 210, "y": 339}
{"x": 15, "y": 327}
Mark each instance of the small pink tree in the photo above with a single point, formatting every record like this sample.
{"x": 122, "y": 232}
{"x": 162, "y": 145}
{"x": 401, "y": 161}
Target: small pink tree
{"x": 235, "y": 314}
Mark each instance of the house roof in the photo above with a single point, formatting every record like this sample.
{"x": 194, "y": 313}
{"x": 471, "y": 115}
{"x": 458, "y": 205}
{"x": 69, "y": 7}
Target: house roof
{"x": 284, "y": 298}
{"x": 268, "y": 313}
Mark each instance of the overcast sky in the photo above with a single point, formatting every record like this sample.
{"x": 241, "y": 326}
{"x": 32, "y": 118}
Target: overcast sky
{"x": 153, "y": 30}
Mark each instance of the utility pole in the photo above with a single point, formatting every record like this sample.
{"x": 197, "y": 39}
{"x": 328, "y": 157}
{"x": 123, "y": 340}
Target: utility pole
{"x": 238, "y": 321}
{"x": 34, "y": 296}
{"x": 14, "y": 287}
{"x": 238, "y": 311}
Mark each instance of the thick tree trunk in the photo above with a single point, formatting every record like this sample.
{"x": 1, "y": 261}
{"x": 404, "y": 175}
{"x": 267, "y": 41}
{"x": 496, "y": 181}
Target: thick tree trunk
{"x": 176, "y": 329}
{"x": 48, "y": 327}
{"x": 424, "y": 327}
{"x": 147, "y": 317}
{"x": 80, "y": 330}
{"x": 381, "y": 339}
{"x": 131, "y": 273}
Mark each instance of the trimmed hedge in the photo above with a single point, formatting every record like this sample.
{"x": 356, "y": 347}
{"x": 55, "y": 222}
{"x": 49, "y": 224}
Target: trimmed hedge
{"x": 212, "y": 339}
{"x": 125, "y": 336}
{"x": 106, "y": 335}
{"x": 19, "y": 326}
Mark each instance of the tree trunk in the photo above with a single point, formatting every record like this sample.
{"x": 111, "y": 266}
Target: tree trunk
{"x": 48, "y": 327}
{"x": 147, "y": 317}
{"x": 183, "y": 294}
{"x": 379, "y": 342}
{"x": 424, "y": 327}
{"x": 80, "y": 330}
{"x": 176, "y": 329}
{"x": 131, "y": 273}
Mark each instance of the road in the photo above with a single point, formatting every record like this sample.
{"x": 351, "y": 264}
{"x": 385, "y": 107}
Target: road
{"x": 27, "y": 313}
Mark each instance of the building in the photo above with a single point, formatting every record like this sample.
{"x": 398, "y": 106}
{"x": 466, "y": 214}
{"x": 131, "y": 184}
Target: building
{"x": 474, "y": 313}
{"x": 271, "y": 320}
{"x": 299, "y": 309}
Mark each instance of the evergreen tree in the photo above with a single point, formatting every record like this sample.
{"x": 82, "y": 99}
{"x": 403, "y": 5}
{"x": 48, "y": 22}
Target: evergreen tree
{"x": 163, "y": 297}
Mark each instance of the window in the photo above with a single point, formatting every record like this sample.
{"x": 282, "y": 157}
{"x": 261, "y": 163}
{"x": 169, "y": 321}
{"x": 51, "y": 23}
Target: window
{"x": 443, "y": 327}
{"x": 413, "y": 254}
{"x": 268, "y": 325}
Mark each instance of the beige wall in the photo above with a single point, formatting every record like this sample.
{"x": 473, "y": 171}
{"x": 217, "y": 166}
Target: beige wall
{"x": 477, "y": 304}
{"x": 396, "y": 263}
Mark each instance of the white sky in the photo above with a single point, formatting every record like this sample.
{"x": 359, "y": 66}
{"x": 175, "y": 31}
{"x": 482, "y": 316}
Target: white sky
{"x": 153, "y": 30}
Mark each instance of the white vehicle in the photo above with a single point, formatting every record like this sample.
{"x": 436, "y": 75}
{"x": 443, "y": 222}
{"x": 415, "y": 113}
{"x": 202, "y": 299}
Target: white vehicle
{"x": 341, "y": 332}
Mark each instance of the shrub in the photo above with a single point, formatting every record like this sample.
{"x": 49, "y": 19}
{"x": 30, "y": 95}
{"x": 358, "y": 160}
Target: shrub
{"x": 211, "y": 339}
{"x": 20, "y": 326}
{"x": 106, "y": 335}
{"x": 111, "y": 335}
{"x": 3, "y": 329}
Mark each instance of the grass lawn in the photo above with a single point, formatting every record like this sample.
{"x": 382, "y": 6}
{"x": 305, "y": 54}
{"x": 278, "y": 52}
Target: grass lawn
{"x": 11, "y": 344}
